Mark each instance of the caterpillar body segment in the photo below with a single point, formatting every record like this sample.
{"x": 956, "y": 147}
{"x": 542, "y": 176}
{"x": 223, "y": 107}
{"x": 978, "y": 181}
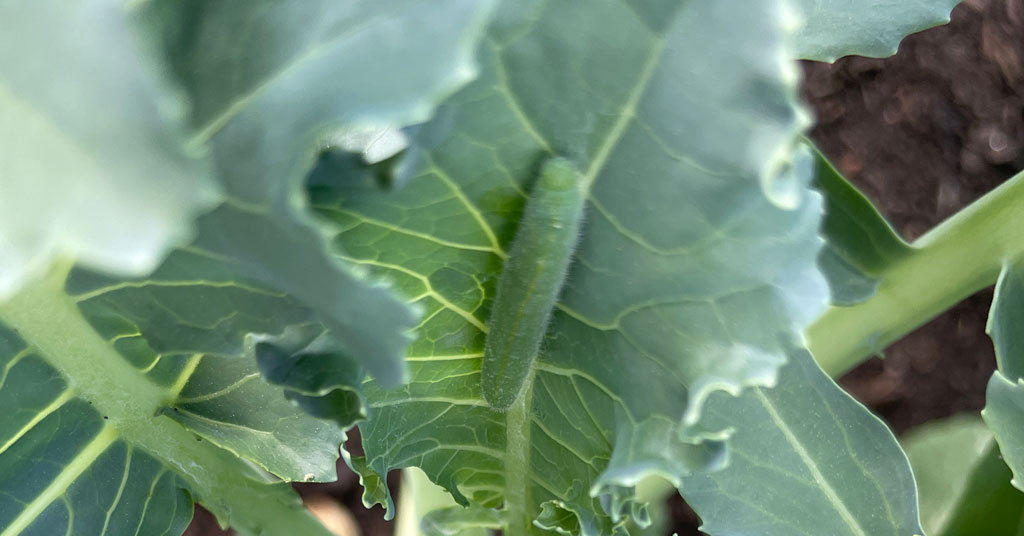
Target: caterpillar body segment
{"x": 531, "y": 280}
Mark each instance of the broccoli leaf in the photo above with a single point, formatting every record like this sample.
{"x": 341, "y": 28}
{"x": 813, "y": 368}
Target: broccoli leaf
{"x": 806, "y": 459}
{"x": 1004, "y": 408}
{"x": 86, "y": 441}
{"x": 271, "y": 84}
{"x": 94, "y": 160}
{"x": 859, "y": 243}
{"x": 697, "y": 260}
{"x": 874, "y": 28}
{"x": 128, "y": 395}
{"x": 964, "y": 483}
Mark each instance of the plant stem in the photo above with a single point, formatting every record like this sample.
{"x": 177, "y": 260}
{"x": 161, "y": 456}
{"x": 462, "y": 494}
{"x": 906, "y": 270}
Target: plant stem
{"x": 957, "y": 258}
{"x": 46, "y": 318}
{"x": 517, "y": 462}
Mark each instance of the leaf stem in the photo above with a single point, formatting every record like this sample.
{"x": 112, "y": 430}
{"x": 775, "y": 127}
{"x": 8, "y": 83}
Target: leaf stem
{"x": 956, "y": 259}
{"x": 517, "y": 462}
{"x": 46, "y": 318}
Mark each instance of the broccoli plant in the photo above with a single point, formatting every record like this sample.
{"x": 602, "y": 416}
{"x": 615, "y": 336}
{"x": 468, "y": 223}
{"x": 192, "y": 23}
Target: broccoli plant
{"x": 553, "y": 257}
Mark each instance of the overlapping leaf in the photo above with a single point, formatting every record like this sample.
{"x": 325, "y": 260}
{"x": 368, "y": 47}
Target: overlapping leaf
{"x": 964, "y": 483}
{"x": 87, "y": 443}
{"x": 874, "y": 28}
{"x": 859, "y": 242}
{"x": 1004, "y": 408}
{"x": 696, "y": 262}
{"x": 193, "y": 327}
{"x": 92, "y": 138}
{"x": 424, "y": 508}
{"x": 120, "y": 384}
{"x": 274, "y": 82}
{"x": 806, "y": 459}
{"x": 696, "y": 266}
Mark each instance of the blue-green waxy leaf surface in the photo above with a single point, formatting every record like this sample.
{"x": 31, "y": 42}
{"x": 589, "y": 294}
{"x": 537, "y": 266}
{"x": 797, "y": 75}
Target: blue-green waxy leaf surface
{"x": 874, "y": 28}
{"x": 271, "y": 84}
{"x": 88, "y": 438}
{"x": 92, "y": 144}
{"x": 806, "y": 459}
{"x": 126, "y": 398}
{"x": 697, "y": 258}
{"x": 1004, "y": 408}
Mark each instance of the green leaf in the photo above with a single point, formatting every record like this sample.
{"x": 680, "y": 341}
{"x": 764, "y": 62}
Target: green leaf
{"x": 86, "y": 443}
{"x": 228, "y": 403}
{"x": 944, "y": 454}
{"x": 964, "y": 484}
{"x": 183, "y": 370}
{"x": 873, "y": 28}
{"x": 859, "y": 242}
{"x": 1004, "y": 413}
{"x": 194, "y": 326}
{"x": 93, "y": 138}
{"x": 272, "y": 83}
{"x": 806, "y": 459}
{"x": 457, "y": 520}
{"x": 1005, "y": 319}
{"x": 1004, "y": 408}
{"x": 697, "y": 257}
{"x": 656, "y": 493}
{"x": 426, "y": 509}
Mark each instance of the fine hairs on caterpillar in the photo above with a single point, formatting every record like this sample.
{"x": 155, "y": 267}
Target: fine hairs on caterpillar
{"x": 531, "y": 280}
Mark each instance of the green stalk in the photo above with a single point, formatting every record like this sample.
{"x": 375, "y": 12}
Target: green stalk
{"x": 50, "y": 321}
{"x": 517, "y": 462}
{"x": 956, "y": 259}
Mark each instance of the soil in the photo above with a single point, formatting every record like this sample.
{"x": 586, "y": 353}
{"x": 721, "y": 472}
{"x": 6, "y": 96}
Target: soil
{"x": 923, "y": 134}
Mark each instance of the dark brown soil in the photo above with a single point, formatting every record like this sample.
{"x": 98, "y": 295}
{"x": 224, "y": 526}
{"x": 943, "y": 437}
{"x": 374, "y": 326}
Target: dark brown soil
{"x": 923, "y": 134}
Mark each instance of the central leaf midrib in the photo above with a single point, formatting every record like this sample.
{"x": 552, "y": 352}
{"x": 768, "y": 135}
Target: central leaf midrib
{"x": 819, "y": 478}
{"x": 518, "y": 418}
{"x": 50, "y": 321}
{"x": 47, "y": 319}
{"x": 239, "y": 104}
{"x": 626, "y": 116}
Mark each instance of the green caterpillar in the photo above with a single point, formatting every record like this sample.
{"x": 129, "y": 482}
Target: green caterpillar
{"x": 531, "y": 281}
